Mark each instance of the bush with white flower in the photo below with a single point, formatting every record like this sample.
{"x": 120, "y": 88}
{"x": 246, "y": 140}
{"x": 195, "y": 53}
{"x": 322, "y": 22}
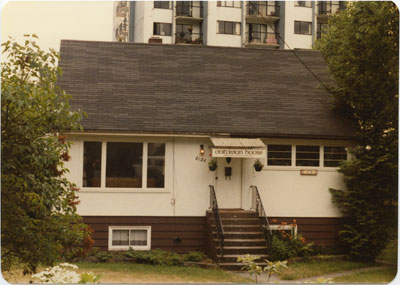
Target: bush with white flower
{"x": 63, "y": 273}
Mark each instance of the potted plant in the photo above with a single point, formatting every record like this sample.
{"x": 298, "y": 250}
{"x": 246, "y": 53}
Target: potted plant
{"x": 258, "y": 165}
{"x": 212, "y": 165}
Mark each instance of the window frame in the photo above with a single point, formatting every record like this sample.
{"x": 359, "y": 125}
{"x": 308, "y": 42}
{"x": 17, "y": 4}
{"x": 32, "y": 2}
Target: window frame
{"x": 233, "y": 26}
{"x": 126, "y": 247}
{"x": 162, "y": 23}
{"x": 307, "y": 4}
{"x": 169, "y": 5}
{"x": 144, "y": 188}
{"x": 223, "y": 4}
{"x": 300, "y": 33}
{"x": 294, "y": 167}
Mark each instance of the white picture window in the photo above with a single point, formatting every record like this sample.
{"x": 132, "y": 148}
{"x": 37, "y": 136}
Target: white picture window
{"x": 123, "y": 238}
{"x": 129, "y": 165}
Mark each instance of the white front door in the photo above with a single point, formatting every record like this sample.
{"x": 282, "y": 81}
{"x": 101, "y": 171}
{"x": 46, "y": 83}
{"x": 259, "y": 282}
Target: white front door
{"x": 229, "y": 189}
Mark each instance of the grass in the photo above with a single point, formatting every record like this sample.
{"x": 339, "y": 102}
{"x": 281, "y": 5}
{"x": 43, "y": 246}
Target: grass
{"x": 140, "y": 273}
{"x": 384, "y": 275}
{"x": 389, "y": 254}
{"x": 312, "y": 268}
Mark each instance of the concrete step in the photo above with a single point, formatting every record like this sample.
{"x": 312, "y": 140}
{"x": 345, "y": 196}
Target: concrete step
{"x": 243, "y": 235}
{"x": 234, "y": 213}
{"x": 234, "y": 257}
{"x": 232, "y": 266}
{"x": 240, "y": 228}
{"x": 242, "y": 250}
{"x": 243, "y": 242}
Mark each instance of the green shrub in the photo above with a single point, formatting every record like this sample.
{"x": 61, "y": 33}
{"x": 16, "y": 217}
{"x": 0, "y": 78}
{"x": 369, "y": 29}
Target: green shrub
{"x": 103, "y": 256}
{"x": 156, "y": 257}
{"x": 284, "y": 246}
{"x": 194, "y": 256}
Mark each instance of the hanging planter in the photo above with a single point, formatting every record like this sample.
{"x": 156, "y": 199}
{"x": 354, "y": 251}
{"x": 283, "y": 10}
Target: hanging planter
{"x": 258, "y": 166}
{"x": 212, "y": 165}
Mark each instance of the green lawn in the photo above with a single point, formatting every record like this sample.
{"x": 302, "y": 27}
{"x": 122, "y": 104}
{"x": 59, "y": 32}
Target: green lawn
{"x": 114, "y": 272}
{"x": 384, "y": 275}
{"x": 143, "y": 273}
{"x": 311, "y": 268}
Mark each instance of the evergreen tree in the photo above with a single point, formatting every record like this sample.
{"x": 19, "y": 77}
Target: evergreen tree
{"x": 361, "y": 49}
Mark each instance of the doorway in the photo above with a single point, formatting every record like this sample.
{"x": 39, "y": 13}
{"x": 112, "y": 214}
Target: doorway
{"x": 229, "y": 189}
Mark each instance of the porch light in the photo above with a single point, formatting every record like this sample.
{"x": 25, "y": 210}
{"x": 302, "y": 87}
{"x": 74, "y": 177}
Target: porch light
{"x": 201, "y": 149}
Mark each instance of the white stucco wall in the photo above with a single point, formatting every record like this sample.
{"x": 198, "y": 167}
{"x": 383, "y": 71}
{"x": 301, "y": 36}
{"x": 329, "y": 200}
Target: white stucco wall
{"x": 284, "y": 191}
{"x": 222, "y": 14}
{"x": 145, "y": 16}
{"x": 294, "y": 13}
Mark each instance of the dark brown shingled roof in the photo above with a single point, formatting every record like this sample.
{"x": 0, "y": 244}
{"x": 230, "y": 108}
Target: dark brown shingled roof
{"x": 195, "y": 89}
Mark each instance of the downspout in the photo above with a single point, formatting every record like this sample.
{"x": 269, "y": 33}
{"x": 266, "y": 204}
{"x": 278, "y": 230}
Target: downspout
{"x": 313, "y": 23}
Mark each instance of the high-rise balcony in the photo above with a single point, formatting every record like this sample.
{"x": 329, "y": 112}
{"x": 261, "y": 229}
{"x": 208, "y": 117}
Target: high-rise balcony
{"x": 188, "y": 38}
{"x": 189, "y": 12}
{"x": 122, "y": 9}
{"x": 329, "y": 8}
{"x": 262, "y": 39}
{"x": 258, "y": 12}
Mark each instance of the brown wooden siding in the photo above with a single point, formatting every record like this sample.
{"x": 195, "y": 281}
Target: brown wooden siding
{"x": 320, "y": 231}
{"x": 191, "y": 230}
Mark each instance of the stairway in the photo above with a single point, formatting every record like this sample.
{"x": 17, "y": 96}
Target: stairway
{"x": 242, "y": 236}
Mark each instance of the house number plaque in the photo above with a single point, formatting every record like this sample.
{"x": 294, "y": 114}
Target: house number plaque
{"x": 311, "y": 172}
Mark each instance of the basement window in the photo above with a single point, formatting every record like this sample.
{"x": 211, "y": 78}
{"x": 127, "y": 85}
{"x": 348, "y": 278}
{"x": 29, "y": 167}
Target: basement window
{"x": 333, "y": 155}
{"x": 307, "y": 155}
{"x": 123, "y": 238}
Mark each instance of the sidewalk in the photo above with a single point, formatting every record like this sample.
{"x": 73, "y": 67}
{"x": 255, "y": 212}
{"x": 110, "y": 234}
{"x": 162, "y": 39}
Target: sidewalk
{"x": 263, "y": 278}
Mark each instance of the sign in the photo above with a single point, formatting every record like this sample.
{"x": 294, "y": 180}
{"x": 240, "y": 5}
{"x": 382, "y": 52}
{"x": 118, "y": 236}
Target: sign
{"x": 239, "y": 152}
{"x": 308, "y": 172}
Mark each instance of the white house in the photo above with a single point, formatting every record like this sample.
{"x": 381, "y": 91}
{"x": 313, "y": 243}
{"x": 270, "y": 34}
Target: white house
{"x": 156, "y": 114}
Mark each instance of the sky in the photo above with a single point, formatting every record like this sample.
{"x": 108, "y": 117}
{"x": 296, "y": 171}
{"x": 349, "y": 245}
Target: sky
{"x": 55, "y": 20}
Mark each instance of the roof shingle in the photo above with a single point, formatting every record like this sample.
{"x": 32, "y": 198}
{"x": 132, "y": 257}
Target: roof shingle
{"x": 195, "y": 89}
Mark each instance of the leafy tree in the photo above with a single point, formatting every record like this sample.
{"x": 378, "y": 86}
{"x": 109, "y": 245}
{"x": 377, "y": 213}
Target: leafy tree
{"x": 38, "y": 205}
{"x": 361, "y": 49}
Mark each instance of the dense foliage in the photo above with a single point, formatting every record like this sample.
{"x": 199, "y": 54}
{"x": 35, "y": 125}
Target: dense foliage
{"x": 154, "y": 257}
{"x": 38, "y": 205}
{"x": 284, "y": 245}
{"x": 361, "y": 48}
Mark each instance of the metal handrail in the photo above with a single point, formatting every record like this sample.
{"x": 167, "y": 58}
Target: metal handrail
{"x": 217, "y": 218}
{"x": 258, "y": 206}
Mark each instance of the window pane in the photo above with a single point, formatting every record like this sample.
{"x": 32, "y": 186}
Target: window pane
{"x": 124, "y": 164}
{"x": 165, "y": 30}
{"x": 221, "y": 29}
{"x": 91, "y": 164}
{"x": 297, "y": 27}
{"x": 333, "y": 155}
{"x": 156, "y": 29}
{"x": 155, "y": 165}
{"x": 307, "y": 155}
{"x": 228, "y": 28}
{"x": 305, "y": 28}
{"x": 120, "y": 237}
{"x": 138, "y": 237}
{"x": 280, "y": 155}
